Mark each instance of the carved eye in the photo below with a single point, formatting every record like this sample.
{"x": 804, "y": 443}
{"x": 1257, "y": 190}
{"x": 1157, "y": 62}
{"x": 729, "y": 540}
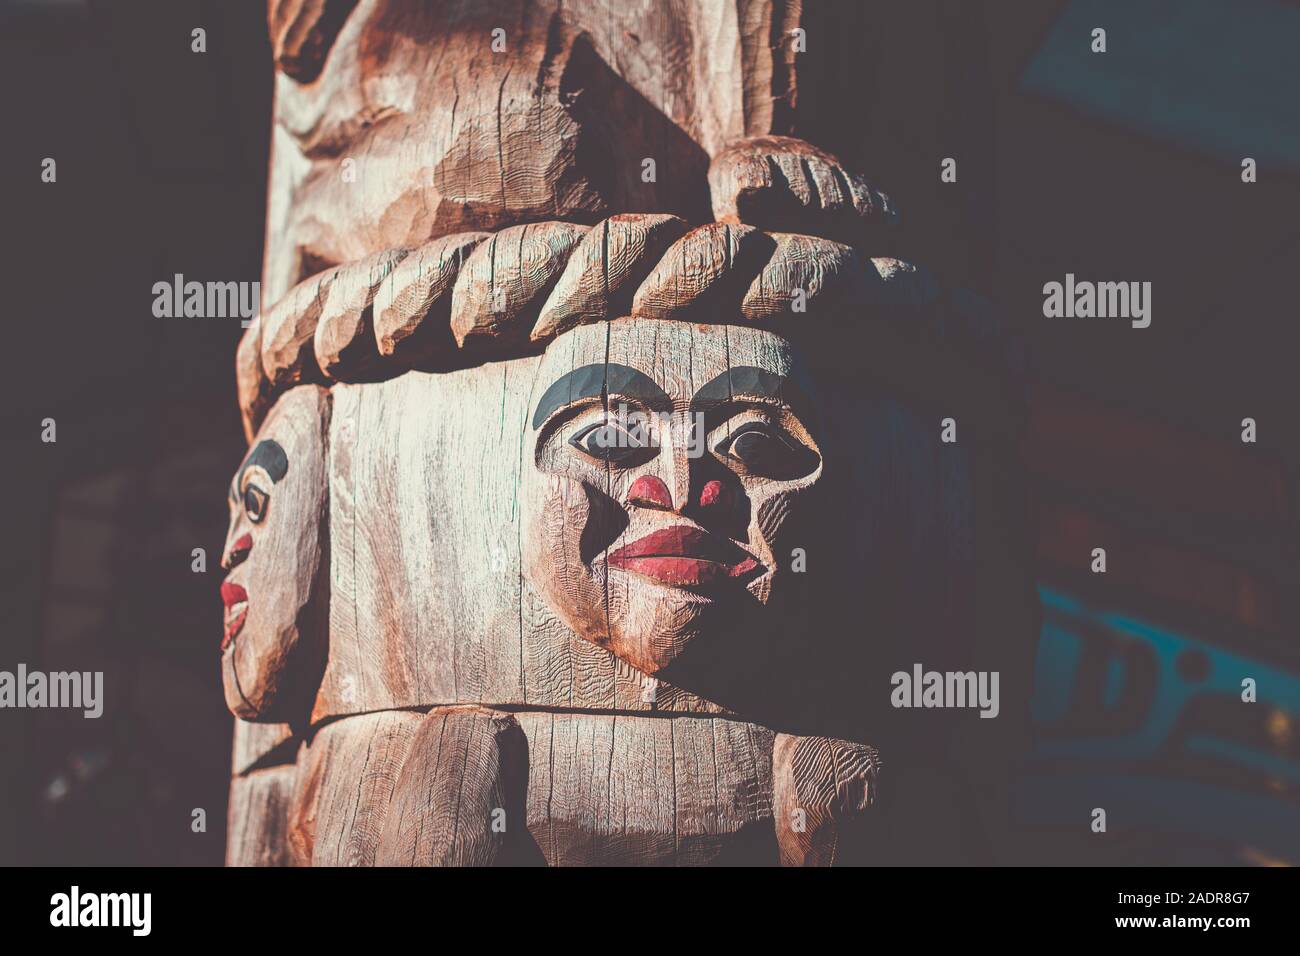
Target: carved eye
{"x": 766, "y": 451}
{"x": 610, "y": 441}
{"x": 255, "y": 501}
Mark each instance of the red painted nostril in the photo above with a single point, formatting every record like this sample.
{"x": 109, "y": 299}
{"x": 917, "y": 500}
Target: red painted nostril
{"x": 714, "y": 495}
{"x": 649, "y": 490}
{"x": 238, "y": 551}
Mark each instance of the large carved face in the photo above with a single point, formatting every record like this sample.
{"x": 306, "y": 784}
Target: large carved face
{"x": 667, "y": 463}
{"x": 275, "y": 589}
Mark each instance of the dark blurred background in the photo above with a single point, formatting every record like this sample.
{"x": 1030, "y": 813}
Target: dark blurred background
{"x": 1117, "y": 166}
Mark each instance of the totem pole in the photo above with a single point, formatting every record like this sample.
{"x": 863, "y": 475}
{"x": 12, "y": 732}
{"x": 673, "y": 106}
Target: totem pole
{"x": 596, "y": 484}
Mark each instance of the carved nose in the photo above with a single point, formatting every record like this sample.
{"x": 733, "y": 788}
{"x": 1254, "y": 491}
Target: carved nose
{"x": 714, "y": 494}
{"x": 650, "y": 492}
{"x": 237, "y": 551}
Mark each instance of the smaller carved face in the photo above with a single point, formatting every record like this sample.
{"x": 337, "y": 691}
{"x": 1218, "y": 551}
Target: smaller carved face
{"x": 275, "y": 590}
{"x": 667, "y": 462}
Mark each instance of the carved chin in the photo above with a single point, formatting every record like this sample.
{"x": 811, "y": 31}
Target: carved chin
{"x": 236, "y": 615}
{"x": 236, "y": 702}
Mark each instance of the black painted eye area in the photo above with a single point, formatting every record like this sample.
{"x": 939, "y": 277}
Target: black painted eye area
{"x": 609, "y": 441}
{"x": 255, "y": 502}
{"x": 767, "y": 451}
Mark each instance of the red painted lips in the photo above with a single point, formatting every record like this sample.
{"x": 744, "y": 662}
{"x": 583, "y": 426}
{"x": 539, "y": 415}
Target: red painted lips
{"x": 235, "y": 598}
{"x": 683, "y": 556}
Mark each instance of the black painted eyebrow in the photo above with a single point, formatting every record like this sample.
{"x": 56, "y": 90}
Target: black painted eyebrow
{"x": 740, "y": 381}
{"x": 592, "y": 381}
{"x": 270, "y": 456}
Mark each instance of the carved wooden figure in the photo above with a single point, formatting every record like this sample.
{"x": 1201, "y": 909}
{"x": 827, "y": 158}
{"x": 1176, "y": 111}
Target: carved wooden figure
{"x": 577, "y": 528}
{"x": 276, "y": 560}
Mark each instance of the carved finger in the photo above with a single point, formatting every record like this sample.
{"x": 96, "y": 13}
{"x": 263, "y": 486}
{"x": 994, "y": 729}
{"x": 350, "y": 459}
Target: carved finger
{"x": 805, "y": 276}
{"x": 704, "y": 275}
{"x": 604, "y": 271}
{"x": 289, "y": 334}
{"x": 345, "y": 341}
{"x": 412, "y": 307}
{"x": 505, "y": 280}
{"x": 818, "y": 782}
{"x": 784, "y": 184}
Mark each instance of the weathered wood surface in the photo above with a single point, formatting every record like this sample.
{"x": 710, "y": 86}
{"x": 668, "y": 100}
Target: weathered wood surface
{"x": 457, "y": 540}
{"x": 469, "y": 786}
{"x": 446, "y": 134}
{"x": 345, "y": 344}
{"x": 819, "y": 783}
{"x": 412, "y": 307}
{"x": 606, "y": 790}
{"x": 428, "y": 604}
{"x": 615, "y": 643}
{"x": 463, "y": 299}
{"x": 257, "y": 818}
{"x": 605, "y": 271}
{"x": 475, "y": 297}
{"x": 288, "y": 333}
{"x": 252, "y": 387}
{"x": 261, "y": 744}
{"x": 302, "y": 32}
{"x": 783, "y": 184}
{"x": 343, "y": 786}
{"x": 276, "y": 559}
{"x": 506, "y": 279}
{"x": 459, "y": 799}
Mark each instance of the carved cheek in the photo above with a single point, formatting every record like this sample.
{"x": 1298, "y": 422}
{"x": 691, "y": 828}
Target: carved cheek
{"x": 771, "y": 522}
{"x": 559, "y": 517}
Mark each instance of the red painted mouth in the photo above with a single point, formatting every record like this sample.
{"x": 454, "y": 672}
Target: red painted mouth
{"x": 235, "y": 599}
{"x": 683, "y": 556}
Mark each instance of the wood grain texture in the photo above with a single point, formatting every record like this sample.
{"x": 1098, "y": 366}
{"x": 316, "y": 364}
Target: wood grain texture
{"x": 392, "y": 311}
{"x": 344, "y": 785}
{"x": 619, "y": 791}
{"x": 302, "y": 32}
{"x": 819, "y": 784}
{"x": 783, "y": 184}
{"x": 345, "y": 340}
{"x": 704, "y": 276}
{"x": 470, "y": 786}
{"x": 257, "y": 818}
{"x": 506, "y": 279}
{"x": 252, "y": 388}
{"x": 412, "y": 306}
{"x": 460, "y": 798}
{"x": 447, "y": 135}
{"x": 261, "y": 744}
{"x": 428, "y": 602}
{"x": 605, "y": 271}
{"x": 289, "y": 334}
{"x": 805, "y": 278}
{"x": 489, "y": 567}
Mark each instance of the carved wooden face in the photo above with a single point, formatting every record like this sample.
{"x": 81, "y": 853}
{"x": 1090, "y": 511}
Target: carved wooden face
{"x": 275, "y": 591}
{"x": 667, "y": 461}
